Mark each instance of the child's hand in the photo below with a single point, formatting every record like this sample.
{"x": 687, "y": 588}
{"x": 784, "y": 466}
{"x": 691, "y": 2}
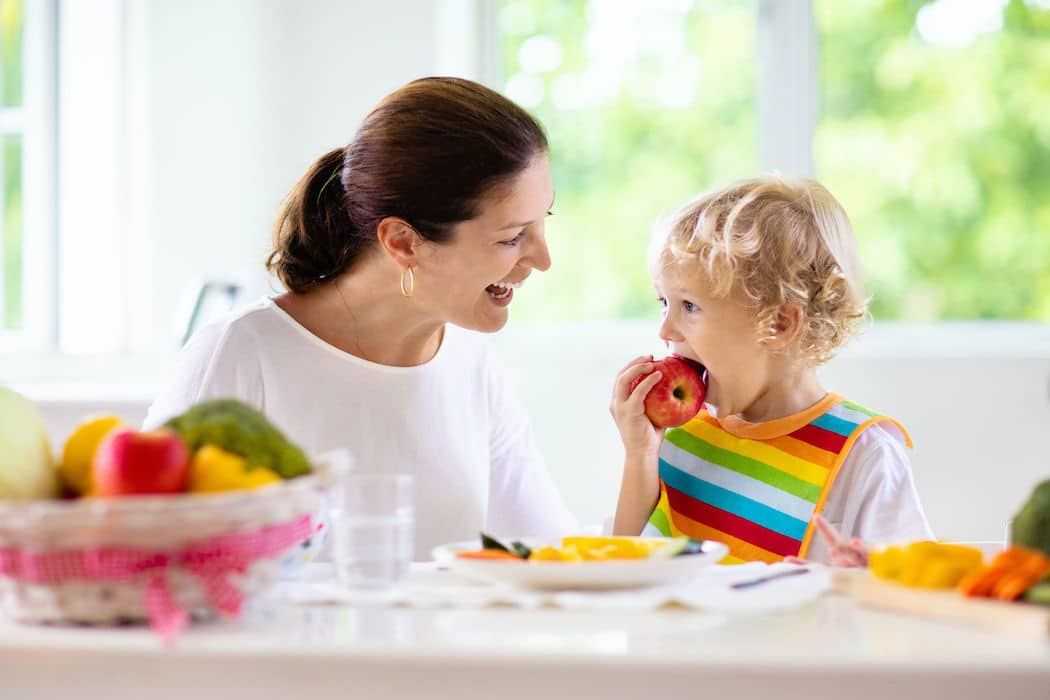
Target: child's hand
{"x": 842, "y": 553}
{"x": 640, "y": 438}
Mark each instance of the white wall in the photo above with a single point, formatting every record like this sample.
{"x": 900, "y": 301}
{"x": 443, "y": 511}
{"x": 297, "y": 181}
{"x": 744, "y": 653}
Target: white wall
{"x": 182, "y": 136}
{"x": 243, "y": 96}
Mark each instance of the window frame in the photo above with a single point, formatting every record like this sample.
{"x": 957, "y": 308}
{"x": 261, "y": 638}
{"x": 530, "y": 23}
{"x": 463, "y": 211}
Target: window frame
{"x": 36, "y": 122}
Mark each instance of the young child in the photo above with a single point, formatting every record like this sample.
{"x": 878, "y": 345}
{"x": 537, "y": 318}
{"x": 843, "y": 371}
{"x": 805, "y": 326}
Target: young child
{"x": 760, "y": 283}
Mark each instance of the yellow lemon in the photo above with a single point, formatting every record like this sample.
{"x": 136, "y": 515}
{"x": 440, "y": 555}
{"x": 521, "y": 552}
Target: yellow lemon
{"x": 79, "y": 450}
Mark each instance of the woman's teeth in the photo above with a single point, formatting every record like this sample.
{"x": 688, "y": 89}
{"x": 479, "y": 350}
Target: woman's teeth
{"x": 501, "y": 290}
{"x": 499, "y": 294}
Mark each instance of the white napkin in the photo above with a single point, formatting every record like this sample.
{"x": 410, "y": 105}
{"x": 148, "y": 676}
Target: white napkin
{"x": 430, "y": 586}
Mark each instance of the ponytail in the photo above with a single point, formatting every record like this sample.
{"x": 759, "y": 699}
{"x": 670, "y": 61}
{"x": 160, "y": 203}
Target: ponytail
{"x": 314, "y": 237}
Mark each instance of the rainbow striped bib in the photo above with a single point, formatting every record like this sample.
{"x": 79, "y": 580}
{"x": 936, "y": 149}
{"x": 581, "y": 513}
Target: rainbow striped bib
{"x": 756, "y": 486}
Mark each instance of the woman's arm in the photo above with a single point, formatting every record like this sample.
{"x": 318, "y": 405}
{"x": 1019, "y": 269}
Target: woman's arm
{"x": 523, "y": 498}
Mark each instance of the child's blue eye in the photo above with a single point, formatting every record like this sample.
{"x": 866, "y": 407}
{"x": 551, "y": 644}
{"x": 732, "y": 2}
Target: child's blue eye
{"x": 662, "y": 301}
{"x": 513, "y": 241}
{"x": 690, "y": 307}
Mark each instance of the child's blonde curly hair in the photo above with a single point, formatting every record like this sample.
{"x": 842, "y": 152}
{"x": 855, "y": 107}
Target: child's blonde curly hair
{"x": 779, "y": 241}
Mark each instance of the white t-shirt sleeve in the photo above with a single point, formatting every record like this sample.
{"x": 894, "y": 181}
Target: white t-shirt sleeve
{"x": 874, "y": 496}
{"x": 217, "y": 362}
{"x": 523, "y": 499}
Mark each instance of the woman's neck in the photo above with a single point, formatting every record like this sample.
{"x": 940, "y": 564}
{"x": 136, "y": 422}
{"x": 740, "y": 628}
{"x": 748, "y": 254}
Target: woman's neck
{"x": 364, "y": 314}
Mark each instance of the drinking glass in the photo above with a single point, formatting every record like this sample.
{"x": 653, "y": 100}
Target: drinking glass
{"x": 373, "y": 529}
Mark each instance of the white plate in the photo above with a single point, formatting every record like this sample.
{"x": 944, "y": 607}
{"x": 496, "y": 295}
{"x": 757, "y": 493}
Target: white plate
{"x": 585, "y": 575}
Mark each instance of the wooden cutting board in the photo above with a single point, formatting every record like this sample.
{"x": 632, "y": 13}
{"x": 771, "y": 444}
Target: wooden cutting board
{"x": 945, "y": 606}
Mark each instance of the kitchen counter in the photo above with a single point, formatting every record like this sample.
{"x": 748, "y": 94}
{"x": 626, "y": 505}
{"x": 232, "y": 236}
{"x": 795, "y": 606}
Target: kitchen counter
{"x": 830, "y": 648}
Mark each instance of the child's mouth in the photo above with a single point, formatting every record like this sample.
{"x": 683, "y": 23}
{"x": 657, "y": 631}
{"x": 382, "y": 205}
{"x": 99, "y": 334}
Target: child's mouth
{"x": 698, "y": 366}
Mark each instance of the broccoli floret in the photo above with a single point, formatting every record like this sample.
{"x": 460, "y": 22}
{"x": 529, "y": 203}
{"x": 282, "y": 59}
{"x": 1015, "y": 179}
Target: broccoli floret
{"x": 1031, "y": 526}
{"x": 240, "y": 429}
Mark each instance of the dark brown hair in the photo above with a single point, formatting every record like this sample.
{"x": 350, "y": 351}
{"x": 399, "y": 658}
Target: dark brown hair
{"x": 428, "y": 153}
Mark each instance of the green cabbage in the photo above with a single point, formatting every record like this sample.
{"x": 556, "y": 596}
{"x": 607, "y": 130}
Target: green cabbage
{"x": 27, "y": 465}
{"x": 1031, "y": 526}
{"x": 240, "y": 429}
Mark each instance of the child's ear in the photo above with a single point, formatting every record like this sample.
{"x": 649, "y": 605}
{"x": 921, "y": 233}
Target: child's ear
{"x": 786, "y": 326}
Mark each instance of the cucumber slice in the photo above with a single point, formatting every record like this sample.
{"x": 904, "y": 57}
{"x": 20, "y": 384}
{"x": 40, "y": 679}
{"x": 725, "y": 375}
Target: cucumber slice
{"x": 518, "y": 549}
{"x": 672, "y": 548}
{"x": 693, "y": 547}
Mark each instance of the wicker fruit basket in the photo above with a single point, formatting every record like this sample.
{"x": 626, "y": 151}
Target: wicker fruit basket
{"x": 159, "y": 559}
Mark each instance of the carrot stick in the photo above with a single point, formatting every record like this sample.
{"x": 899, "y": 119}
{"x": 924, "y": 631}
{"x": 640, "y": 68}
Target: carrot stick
{"x": 981, "y": 583}
{"x": 489, "y": 554}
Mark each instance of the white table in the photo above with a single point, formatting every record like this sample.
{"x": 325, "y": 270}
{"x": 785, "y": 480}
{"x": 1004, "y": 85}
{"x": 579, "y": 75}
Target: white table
{"x": 827, "y": 649}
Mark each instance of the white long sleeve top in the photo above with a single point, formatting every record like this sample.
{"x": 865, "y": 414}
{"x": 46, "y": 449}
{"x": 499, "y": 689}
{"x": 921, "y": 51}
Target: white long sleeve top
{"x": 452, "y": 422}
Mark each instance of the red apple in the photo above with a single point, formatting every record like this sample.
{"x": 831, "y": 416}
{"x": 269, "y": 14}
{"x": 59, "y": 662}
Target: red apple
{"x": 678, "y": 396}
{"x": 132, "y": 462}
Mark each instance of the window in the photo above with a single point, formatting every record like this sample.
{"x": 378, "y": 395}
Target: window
{"x": 930, "y": 126}
{"x": 935, "y": 135}
{"x": 26, "y": 180}
{"x": 644, "y": 103}
{"x": 12, "y": 272}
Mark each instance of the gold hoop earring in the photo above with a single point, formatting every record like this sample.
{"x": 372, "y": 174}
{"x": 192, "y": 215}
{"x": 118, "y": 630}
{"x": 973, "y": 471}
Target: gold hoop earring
{"x": 408, "y": 282}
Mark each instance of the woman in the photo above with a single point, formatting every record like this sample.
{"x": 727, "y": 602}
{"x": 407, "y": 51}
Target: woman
{"x": 393, "y": 251}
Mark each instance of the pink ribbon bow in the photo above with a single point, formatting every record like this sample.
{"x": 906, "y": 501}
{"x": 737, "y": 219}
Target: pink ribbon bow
{"x": 212, "y": 561}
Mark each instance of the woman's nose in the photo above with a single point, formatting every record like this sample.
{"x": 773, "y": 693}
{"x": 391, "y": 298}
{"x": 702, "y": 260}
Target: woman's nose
{"x": 539, "y": 256}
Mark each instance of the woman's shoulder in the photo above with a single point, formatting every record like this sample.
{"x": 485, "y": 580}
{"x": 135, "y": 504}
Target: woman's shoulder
{"x": 261, "y": 316}
{"x": 218, "y": 361}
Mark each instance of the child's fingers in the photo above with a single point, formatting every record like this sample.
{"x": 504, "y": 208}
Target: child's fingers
{"x": 637, "y": 398}
{"x": 850, "y": 561}
{"x": 636, "y": 361}
{"x": 622, "y": 388}
{"x": 830, "y": 535}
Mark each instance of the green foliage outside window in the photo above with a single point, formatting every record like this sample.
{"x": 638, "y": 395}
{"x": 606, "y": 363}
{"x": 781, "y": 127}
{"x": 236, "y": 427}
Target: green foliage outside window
{"x": 11, "y": 243}
{"x": 937, "y": 141}
{"x": 645, "y": 105}
{"x": 935, "y": 135}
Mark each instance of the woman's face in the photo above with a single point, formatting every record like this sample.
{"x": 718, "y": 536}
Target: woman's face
{"x": 471, "y": 279}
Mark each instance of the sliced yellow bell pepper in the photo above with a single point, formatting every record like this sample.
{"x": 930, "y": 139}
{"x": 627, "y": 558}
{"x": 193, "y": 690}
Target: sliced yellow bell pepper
{"x": 925, "y": 564}
{"x": 613, "y": 547}
{"x": 214, "y": 470}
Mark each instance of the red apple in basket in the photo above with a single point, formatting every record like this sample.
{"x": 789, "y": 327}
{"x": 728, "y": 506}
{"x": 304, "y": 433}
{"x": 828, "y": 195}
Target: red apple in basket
{"x": 678, "y": 396}
{"x": 133, "y": 462}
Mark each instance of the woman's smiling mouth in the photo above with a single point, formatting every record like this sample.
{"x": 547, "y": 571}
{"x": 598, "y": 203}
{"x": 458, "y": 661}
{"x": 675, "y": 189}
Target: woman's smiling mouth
{"x": 502, "y": 292}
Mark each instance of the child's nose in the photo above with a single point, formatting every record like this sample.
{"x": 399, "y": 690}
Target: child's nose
{"x": 668, "y": 332}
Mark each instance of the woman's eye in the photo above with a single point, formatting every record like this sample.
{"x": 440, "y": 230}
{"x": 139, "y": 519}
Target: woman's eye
{"x": 513, "y": 241}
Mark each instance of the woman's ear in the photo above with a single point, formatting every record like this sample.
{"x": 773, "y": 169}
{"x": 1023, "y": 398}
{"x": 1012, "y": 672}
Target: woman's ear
{"x": 399, "y": 241}
{"x": 786, "y": 326}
